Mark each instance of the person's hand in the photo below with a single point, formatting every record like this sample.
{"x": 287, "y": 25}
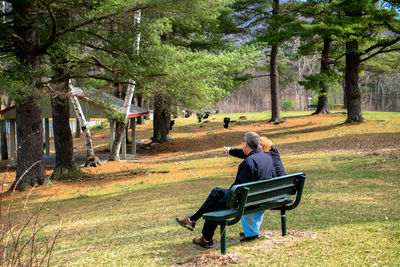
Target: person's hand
{"x": 227, "y": 149}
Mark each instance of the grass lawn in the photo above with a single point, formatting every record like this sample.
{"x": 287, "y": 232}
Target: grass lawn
{"x": 349, "y": 214}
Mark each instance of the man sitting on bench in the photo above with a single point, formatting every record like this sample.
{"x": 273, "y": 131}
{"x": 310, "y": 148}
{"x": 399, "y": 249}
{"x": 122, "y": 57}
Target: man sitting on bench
{"x": 256, "y": 166}
{"x": 251, "y": 222}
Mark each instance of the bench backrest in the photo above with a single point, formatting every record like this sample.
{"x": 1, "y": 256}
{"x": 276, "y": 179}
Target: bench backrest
{"x": 264, "y": 191}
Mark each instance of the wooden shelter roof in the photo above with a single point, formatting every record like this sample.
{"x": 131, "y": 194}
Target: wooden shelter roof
{"x": 94, "y": 103}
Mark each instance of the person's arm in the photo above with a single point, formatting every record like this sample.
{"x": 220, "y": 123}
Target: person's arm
{"x": 277, "y": 162}
{"x": 237, "y": 152}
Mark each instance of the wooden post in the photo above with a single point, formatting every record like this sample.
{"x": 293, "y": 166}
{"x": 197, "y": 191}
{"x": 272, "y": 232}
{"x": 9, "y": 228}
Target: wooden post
{"x": 123, "y": 154}
{"x": 133, "y": 127}
{"x": 112, "y": 133}
{"x": 47, "y": 135}
{"x": 12, "y": 143}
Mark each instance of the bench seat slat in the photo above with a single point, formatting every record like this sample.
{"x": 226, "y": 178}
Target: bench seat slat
{"x": 263, "y": 190}
{"x": 265, "y": 199}
{"x": 223, "y": 215}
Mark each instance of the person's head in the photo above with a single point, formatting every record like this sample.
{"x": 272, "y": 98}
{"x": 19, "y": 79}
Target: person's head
{"x": 250, "y": 141}
{"x": 265, "y": 143}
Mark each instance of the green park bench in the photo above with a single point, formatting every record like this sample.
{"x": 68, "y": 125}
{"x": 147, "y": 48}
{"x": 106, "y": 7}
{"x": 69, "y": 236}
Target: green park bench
{"x": 281, "y": 193}
{"x": 312, "y": 106}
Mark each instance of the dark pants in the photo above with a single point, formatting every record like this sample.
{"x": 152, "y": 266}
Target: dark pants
{"x": 216, "y": 200}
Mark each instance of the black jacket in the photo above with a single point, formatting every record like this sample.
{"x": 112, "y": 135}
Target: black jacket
{"x": 273, "y": 153}
{"x": 256, "y": 166}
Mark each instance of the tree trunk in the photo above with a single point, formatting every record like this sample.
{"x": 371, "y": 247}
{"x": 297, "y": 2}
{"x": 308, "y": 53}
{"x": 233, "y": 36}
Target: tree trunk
{"x": 91, "y": 160}
{"x": 114, "y": 153}
{"x": 323, "y": 93}
{"x": 119, "y": 132}
{"x": 344, "y": 95}
{"x": 4, "y": 150}
{"x": 130, "y": 90}
{"x": 30, "y": 165}
{"x": 353, "y": 93}
{"x": 65, "y": 162}
{"x": 275, "y": 98}
{"x": 161, "y": 119}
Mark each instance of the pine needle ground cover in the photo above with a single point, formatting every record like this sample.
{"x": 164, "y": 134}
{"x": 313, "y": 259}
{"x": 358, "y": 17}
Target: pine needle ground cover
{"x": 349, "y": 214}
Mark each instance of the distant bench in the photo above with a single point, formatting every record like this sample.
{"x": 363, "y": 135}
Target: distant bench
{"x": 312, "y": 106}
{"x": 272, "y": 194}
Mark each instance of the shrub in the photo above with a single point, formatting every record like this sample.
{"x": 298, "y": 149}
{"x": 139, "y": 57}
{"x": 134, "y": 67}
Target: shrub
{"x": 287, "y": 103}
{"x": 101, "y": 126}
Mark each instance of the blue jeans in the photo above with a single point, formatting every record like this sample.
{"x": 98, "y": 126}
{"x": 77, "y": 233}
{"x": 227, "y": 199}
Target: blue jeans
{"x": 251, "y": 223}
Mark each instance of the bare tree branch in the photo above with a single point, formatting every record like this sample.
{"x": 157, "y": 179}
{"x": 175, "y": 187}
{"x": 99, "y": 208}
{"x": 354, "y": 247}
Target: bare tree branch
{"x": 380, "y": 52}
{"x": 382, "y": 44}
{"x": 52, "y": 36}
{"x": 90, "y": 21}
{"x": 10, "y": 32}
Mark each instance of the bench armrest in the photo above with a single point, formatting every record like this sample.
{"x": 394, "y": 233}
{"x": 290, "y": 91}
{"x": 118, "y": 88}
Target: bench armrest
{"x": 242, "y": 205}
{"x": 299, "y": 193}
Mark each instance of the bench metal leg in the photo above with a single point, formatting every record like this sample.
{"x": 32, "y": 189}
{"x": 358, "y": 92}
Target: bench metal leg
{"x": 223, "y": 239}
{"x": 283, "y": 222}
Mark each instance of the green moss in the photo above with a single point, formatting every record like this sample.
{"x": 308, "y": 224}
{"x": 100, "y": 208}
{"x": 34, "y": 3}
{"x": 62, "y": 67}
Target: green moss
{"x": 60, "y": 174}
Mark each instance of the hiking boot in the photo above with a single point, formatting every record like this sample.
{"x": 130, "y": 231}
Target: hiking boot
{"x": 186, "y": 222}
{"x": 203, "y": 243}
{"x": 247, "y": 239}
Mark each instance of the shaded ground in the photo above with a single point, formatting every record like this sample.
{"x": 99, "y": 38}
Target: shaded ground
{"x": 194, "y": 140}
{"x": 126, "y": 215}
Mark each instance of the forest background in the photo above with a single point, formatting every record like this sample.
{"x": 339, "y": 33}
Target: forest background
{"x": 190, "y": 55}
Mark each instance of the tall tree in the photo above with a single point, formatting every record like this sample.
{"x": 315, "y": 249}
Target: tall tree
{"x": 367, "y": 30}
{"x": 274, "y": 78}
{"x": 178, "y": 62}
{"x": 31, "y": 28}
{"x": 123, "y": 122}
{"x": 315, "y": 32}
{"x": 25, "y": 36}
{"x": 266, "y": 23}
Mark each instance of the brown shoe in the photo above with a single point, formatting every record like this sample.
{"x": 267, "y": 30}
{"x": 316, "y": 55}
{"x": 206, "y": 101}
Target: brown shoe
{"x": 203, "y": 243}
{"x": 186, "y": 222}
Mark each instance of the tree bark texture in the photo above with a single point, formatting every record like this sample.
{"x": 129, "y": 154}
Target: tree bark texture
{"x": 322, "y": 106}
{"x": 4, "y": 146}
{"x": 352, "y": 91}
{"x": 91, "y": 160}
{"x": 119, "y": 132}
{"x": 62, "y": 135}
{"x": 161, "y": 119}
{"x": 275, "y": 97}
{"x": 114, "y": 153}
{"x": 30, "y": 165}
{"x": 65, "y": 161}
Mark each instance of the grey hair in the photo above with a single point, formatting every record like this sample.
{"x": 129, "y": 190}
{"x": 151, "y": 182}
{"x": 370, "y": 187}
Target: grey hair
{"x": 252, "y": 139}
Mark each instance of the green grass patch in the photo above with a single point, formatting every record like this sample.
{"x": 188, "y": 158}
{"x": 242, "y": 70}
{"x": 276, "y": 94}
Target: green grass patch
{"x": 349, "y": 214}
